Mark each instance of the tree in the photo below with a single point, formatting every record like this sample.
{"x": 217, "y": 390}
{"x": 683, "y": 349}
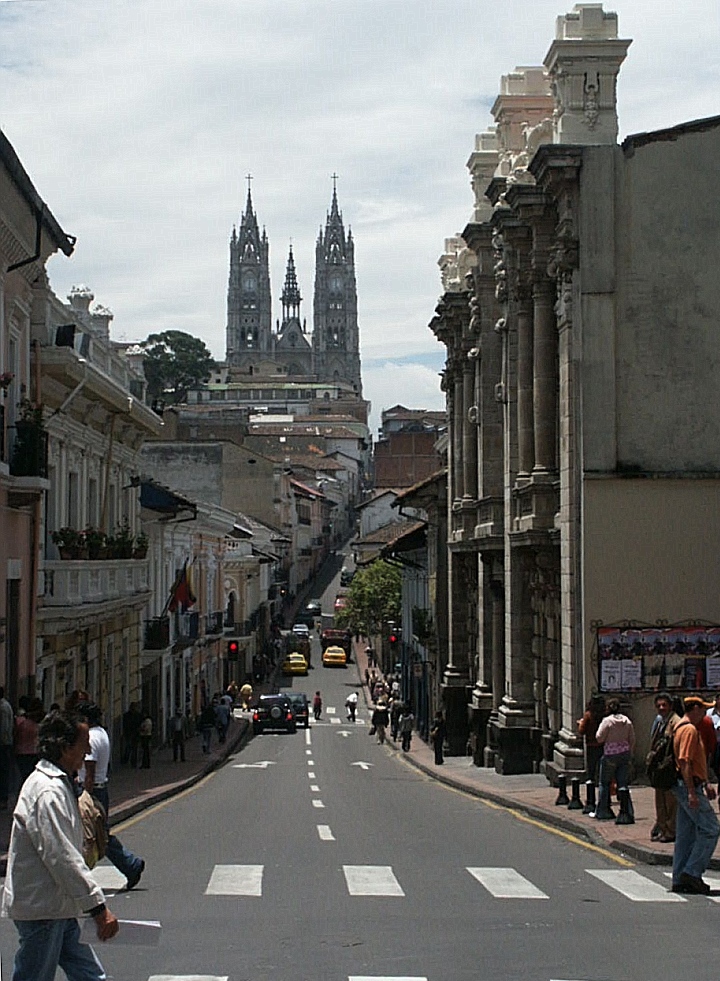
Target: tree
{"x": 174, "y": 363}
{"x": 373, "y": 599}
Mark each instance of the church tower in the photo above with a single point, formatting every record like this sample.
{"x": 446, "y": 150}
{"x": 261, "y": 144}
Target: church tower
{"x": 336, "y": 341}
{"x": 249, "y": 312}
{"x": 292, "y": 347}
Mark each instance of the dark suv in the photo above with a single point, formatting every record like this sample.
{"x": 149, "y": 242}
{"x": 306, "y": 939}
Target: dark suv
{"x": 273, "y": 712}
{"x": 300, "y": 707}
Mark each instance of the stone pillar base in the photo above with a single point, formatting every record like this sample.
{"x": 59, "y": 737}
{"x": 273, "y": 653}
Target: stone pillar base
{"x": 568, "y": 757}
{"x": 455, "y": 699}
{"x": 479, "y": 711}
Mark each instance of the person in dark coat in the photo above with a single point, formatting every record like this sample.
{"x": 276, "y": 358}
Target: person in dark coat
{"x": 437, "y": 736}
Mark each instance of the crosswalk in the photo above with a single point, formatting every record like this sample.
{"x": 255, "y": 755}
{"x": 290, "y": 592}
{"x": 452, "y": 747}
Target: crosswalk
{"x": 499, "y": 883}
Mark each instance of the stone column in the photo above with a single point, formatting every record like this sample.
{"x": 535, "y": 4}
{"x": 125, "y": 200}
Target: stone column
{"x": 470, "y": 480}
{"x": 457, "y": 435}
{"x": 525, "y": 368}
{"x": 544, "y": 355}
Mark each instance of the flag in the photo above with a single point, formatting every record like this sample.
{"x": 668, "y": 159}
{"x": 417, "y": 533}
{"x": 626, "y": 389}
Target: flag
{"x": 182, "y": 595}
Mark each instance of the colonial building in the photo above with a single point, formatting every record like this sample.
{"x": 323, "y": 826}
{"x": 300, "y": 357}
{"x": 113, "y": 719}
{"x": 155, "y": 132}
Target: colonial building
{"x": 579, "y": 316}
{"x": 330, "y": 354}
{"x": 29, "y": 235}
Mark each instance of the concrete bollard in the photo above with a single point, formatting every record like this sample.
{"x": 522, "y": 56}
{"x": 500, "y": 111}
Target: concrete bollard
{"x": 589, "y": 798}
{"x": 626, "y": 815}
{"x": 562, "y": 798}
{"x": 575, "y": 802}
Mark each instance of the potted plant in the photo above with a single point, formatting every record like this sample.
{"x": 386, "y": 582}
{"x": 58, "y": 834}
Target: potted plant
{"x": 120, "y": 545}
{"x": 69, "y": 542}
{"x": 29, "y": 455}
{"x": 96, "y": 542}
{"x": 141, "y": 546}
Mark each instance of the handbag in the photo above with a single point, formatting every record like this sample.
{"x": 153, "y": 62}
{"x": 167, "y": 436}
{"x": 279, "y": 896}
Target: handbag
{"x": 95, "y": 835}
{"x": 371, "y": 731}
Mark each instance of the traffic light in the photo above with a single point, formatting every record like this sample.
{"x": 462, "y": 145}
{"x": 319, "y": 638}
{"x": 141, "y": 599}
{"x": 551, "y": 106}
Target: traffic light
{"x": 393, "y": 638}
{"x": 233, "y": 649}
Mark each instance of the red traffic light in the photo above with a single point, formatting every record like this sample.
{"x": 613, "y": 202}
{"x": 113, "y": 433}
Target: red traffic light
{"x": 232, "y": 649}
{"x": 393, "y": 638}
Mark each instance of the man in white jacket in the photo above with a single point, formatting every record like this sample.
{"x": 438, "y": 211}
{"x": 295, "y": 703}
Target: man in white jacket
{"x": 48, "y": 884}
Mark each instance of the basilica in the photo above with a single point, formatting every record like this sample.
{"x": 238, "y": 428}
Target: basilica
{"x": 330, "y": 354}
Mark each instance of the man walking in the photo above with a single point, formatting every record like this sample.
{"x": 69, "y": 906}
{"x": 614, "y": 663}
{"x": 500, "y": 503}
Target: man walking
{"x": 696, "y": 829}
{"x": 48, "y": 884}
{"x": 665, "y": 803}
{"x": 95, "y": 781}
{"x": 7, "y": 727}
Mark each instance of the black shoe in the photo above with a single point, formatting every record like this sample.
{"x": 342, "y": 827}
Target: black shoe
{"x": 135, "y": 877}
{"x": 694, "y": 885}
{"x": 679, "y": 887}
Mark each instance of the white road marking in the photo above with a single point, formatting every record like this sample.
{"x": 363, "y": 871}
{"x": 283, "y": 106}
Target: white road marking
{"x": 311, "y": 775}
{"x": 364, "y": 977}
{"x": 308, "y": 752}
{"x": 187, "y": 977}
{"x": 344, "y": 732}
{"x": 262, "y": 765}
{"x": 235, "y": 880}
{"x": 325, "y": 832}
{"x": 314, "y": 788}
{"x": 712, "y": 880}
{"x": 363, "y": 766}
{"x": 318, "y": 803}
{"x": 335, "y": 721}
{"x": 371, "y": 880}
{"x": 311, "y": 762}
{"x": 330, "y": 711}
{"x": 307, "y": 737}
{"x": 505, "y": 883}
{"x": 635, "y": 886}
{"x": 108, "y": 878}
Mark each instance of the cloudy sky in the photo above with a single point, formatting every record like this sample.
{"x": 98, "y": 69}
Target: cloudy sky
{"x": 138, "y": 119}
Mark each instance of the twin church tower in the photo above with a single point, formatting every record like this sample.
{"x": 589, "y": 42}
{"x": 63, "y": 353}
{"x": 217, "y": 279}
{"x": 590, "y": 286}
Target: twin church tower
{"x": 331, "y": 354}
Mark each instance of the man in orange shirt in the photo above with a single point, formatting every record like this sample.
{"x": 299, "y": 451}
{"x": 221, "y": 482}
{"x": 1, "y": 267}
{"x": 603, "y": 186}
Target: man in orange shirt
{"x": 697, "y": 829}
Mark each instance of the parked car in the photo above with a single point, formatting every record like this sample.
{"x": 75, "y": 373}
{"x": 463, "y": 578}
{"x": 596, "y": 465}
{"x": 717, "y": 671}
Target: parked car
{"x": 301, "y": 629}
{"x": 294, "y": 664}
{"x": 334, "y": 657}
{"x": 273, "y": 712}
{"x": 346, "y": 576}
{"x": 300, "y": 707}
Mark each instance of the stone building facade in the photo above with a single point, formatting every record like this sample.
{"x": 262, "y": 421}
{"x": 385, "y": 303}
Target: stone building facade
{"x": 579, "y": 316}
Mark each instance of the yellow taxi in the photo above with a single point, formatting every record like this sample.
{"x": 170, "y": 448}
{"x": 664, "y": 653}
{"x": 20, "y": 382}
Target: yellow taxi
{"x": 295, "y": 664}
{"x": 334, "y": 657}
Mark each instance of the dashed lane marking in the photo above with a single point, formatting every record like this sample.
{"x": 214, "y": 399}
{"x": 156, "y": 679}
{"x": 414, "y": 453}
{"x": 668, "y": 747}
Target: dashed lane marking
{"x": 318, "y": 803}
{"x": 325, "y": 833}
{"x": 314, "y": 788}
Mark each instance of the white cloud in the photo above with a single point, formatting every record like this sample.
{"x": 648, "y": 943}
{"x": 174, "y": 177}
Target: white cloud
{"x": 413, "y": 385}
{"x": 138, "y": 119}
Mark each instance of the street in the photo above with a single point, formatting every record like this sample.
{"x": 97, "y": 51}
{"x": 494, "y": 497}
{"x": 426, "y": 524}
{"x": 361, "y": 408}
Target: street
{"x": 323, "y": 856}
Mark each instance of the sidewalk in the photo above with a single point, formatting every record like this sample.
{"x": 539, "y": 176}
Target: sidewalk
{"x": 532, "y": 795}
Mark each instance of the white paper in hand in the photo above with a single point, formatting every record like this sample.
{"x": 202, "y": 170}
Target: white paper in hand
{"x": 138, "y": 933}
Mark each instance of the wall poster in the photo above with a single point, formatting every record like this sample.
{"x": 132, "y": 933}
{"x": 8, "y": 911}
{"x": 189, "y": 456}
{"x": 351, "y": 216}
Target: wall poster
{"x": 634, "y": 658}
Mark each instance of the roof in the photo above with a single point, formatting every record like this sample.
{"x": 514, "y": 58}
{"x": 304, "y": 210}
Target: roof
{"x": 305, "y": 490}
{"x": 375, "y": 496}
{"x": 385, "y": 534}
{"x": 634, "y": 141}
{"x": 408, "y": 492}
{"x": 408, "y": 539}
{"x": 20, "y": 178}
{"x": 157, "y": 497}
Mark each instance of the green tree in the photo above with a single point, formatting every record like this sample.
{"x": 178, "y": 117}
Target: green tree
{"x": 174, "y": 363}
{"x": 373, "y": 599}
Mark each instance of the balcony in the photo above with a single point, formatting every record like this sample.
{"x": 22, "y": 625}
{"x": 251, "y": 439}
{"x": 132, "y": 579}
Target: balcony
{"x": 214, "y": 623}
{"x": 188, "y": 627}
{"x": 86, "y": 583}
{"x": 29, "y": 454}
{"x": 157, "y": 634}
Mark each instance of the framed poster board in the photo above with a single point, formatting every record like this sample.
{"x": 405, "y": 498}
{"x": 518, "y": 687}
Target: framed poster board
{"x": 645, "y": 658}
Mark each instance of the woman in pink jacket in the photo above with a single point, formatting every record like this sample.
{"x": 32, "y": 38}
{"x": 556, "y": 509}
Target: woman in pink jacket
{"x": 616, "y": 735}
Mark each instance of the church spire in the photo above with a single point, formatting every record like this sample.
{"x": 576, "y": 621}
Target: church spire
{"x": 291, "y": 298}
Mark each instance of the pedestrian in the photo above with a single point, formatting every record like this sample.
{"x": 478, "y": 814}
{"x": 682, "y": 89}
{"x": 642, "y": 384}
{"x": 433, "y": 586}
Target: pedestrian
{"x": 351, "y": 705}
{"x": 131, "y": 722}
{"x": 7, "y": 735}
{"x": 380, "y": 720}
{"x": 48, "y": 884}
{"x": 406, "y": 727}
{"x": 207, "y": 724}
{"x": 696, "y": 827}
{"x": 146, "y": 729}
{"x": 437, "y": 736}
{"x": 587, "y": 728}
{"x": 178, "y": 732}
{"x": 317, "y": 705}
{"x": 665, "y": 803}
{"x": 616, "y": 734}
{"x": 26, "y": 738}
{"x": 367, "y": 678}
{"x": 94, "y": 778}
{"x": 222, "y": 719}
{"x": 714, "y": 716}
{"x": 395, "y": 712}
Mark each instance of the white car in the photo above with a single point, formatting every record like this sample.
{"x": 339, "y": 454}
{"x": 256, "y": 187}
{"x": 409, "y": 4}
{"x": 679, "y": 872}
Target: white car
{"x": 301, "y": 629}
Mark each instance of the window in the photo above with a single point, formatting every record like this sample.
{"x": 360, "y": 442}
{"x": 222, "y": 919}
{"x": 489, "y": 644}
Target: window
{"x": 73, "y": 503}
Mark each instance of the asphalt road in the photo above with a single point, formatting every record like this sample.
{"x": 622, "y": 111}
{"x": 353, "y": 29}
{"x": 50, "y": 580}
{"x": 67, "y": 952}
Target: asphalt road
{"x": 263, "y": 872}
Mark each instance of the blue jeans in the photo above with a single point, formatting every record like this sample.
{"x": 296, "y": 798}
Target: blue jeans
{"x": 617, "y": 767}
{"x": 696, "y": 834}
{"x": 48, "y": 944}
{"x": 124, "y": 861}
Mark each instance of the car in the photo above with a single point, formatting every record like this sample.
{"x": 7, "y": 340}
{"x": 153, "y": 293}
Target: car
{"x": 300, "y": 707}
{"x": 346, "y": 576}
{"x": 334, "y": 657}
{"x": 313, "y": 608}
{"x": 340, "y": 603}
{"x": 301, "y": 629}
{"x": 273, "y": 712}
{"x": 294, "y": 664}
